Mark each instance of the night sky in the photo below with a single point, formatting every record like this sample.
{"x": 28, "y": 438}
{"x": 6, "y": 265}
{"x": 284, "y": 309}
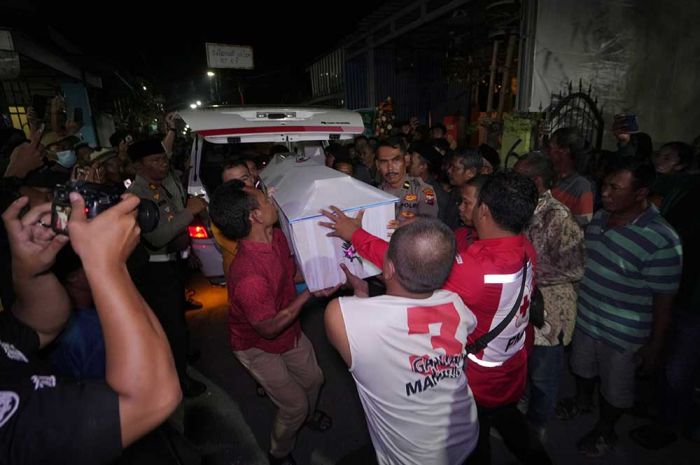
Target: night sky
{"x": 170, "y": 53}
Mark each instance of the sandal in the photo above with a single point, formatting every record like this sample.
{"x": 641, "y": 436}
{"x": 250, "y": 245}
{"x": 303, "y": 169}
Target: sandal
{"x": 319, "y": 421}
{"x": 595, "y": 444}
{"x": 568, "y": 409}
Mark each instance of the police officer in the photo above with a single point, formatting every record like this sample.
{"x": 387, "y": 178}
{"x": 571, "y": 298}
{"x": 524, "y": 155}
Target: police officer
{"x": 415, "y": 196}
{"x": 161, "y": 280}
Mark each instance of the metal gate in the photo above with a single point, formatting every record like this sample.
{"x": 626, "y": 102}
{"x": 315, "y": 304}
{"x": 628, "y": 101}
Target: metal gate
{"x": 579, "y": 110}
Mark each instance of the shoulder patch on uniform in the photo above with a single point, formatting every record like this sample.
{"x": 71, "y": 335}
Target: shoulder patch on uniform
{"x": 429, "y": 195}
{"x": 9, "y": 403}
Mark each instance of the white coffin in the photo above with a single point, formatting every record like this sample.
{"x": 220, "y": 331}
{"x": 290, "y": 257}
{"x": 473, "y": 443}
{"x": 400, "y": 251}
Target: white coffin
{"x": 301, "y": 189}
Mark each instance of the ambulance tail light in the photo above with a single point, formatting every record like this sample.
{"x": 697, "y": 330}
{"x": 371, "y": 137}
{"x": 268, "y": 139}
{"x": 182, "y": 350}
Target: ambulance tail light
{"x": 197, "y": 230}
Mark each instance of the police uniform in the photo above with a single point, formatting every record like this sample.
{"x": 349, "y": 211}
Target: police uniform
{"x": 161, "y": 280}
{"x": 415, "y": 198}
{"x": 48, "y": 419}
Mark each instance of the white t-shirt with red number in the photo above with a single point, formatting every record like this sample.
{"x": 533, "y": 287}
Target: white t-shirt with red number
{"x": 408, "y": 366}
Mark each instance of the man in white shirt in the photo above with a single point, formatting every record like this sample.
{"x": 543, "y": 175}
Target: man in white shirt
{"x": 404, "y": 350}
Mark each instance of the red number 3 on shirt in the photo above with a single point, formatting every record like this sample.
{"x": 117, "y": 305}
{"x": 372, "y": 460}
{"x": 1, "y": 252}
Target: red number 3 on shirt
{"x": 419, "y": 319}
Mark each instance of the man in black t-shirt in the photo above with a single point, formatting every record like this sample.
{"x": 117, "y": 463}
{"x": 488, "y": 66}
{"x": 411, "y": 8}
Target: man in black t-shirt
{"x": 48, "y": 419}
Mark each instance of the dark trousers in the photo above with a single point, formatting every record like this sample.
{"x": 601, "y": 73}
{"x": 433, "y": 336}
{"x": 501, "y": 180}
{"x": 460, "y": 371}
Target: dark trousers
{"x": 162, "y": 286}
{"x": 680, "y": 372}
{"x": 518, "y": 437}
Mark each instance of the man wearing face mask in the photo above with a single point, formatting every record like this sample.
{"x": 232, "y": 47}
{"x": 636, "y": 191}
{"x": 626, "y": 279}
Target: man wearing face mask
{"x": 63, "y": 155}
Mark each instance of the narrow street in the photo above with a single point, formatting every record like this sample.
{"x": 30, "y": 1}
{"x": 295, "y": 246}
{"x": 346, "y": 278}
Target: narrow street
{"x": 230, "y": 423}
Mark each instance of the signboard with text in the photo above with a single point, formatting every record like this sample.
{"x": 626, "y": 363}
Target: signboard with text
{"x": 229, "y": 56}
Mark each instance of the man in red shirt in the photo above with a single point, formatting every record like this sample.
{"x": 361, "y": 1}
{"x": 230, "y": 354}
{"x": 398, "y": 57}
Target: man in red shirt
{"x": 264, "y": 328}
{"x": 487, "y": 276}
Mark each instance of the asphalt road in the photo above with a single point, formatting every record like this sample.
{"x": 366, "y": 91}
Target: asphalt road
{"x": 230, "y": 424}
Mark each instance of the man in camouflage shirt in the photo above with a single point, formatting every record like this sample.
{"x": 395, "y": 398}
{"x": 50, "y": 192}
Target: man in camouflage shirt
{"x": 415, "y": 196}
{"x": 559, "y": 243}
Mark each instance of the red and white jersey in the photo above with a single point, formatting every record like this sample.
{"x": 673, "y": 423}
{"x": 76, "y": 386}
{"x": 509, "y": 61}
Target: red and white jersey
{"x": 487, "y": 276}
{"x": 408, "y": 365}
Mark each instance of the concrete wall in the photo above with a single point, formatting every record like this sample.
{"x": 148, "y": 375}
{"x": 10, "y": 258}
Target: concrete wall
{"x": 640, "y": 56}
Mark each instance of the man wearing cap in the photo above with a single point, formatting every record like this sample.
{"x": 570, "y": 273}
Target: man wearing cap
{"x": 160, "y": 280}
{"x": 415, "y": 196}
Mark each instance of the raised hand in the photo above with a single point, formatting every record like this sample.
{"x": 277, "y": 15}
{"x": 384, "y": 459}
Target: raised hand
{"x": 107, "y": 239}
{"x": 342, "y": 226}
{"x": 26, "y": 157}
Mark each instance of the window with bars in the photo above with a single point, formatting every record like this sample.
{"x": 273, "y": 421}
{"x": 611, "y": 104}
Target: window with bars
{"x": 18, "y": 117}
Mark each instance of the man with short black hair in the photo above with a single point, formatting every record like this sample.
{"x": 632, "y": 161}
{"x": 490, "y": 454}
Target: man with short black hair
{"x": 425, "y": 164}
{"x": 233, "y": 169}
{"x": 566, "y": 148}
{"x": 633, "y": 269}
{"x": 237, "y": 169}
{"x": 420, "y": 410}
{"x": 415, "y": 196}
{"x": 487, "y": 275}
{"x": 46, "y": 418}
{"x": 463, "y": 166}
{"x": 558, "y": 241}
{"x": 264, "y": 329}
{"x": 438, "y": 131}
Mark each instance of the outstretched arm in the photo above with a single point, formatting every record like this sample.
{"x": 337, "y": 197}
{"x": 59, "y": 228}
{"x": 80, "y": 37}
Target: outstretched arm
{"x": 140, "y": 366}
{"x": 350, "y": 229}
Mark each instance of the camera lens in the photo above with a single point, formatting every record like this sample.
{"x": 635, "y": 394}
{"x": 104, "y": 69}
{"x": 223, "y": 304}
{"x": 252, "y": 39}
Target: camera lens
{"x": 147, "y": 216}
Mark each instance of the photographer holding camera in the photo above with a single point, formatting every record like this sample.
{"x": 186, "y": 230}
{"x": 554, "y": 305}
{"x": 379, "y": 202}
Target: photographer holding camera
{"x": 45, "y": 418}
{"x": 161, "y": 280}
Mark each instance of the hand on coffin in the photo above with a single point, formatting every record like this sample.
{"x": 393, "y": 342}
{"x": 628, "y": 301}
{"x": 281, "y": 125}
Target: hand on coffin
{"x": 355, "y": 283}
{"x": 396, "y": 224}
{"x": 342, "y": 225}
{"x": 329, "y": 291}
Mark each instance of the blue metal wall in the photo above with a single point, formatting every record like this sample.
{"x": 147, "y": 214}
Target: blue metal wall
{"x": 416, "y": 82}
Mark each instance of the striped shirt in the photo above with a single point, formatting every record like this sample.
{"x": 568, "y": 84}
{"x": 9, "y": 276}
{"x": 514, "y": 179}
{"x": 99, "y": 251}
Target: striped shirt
{"x": 576, "y": 192}
{"x": 625, "y": 267}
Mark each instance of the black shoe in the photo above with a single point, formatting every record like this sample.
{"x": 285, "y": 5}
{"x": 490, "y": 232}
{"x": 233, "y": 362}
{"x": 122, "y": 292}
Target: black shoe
{"x": 286, "y": 460}
{"x": 191, "y": 387}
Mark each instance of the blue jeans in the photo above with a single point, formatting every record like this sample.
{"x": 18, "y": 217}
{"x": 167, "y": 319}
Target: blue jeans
{"x": 544, "y": 375}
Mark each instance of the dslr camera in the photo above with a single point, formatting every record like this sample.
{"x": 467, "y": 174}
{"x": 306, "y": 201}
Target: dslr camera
{"x": 98, "y": 198}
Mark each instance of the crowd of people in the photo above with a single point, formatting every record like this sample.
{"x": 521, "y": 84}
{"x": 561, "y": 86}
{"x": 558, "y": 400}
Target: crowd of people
{"x": 489, "y": 275}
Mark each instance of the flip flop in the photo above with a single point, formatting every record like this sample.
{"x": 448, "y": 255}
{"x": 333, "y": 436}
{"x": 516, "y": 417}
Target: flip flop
{"x": 319, "y": 421}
